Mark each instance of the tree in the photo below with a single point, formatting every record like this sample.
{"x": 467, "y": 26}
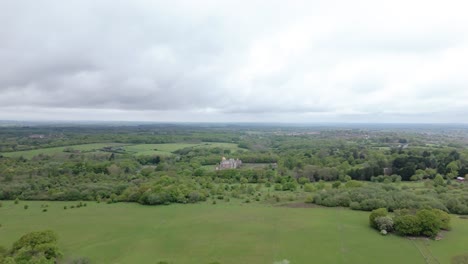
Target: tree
{"x": 444, "y": 218}
{"x": 303, "y": 180}
{"x": 36, "y": 247}
{"x": 384, "y": 223}
{"x": 439, "y": 180}
{"x": 407, "y": 225}
{"x": 336, "y": 184}
{"x": 375, "y": 214}
{"x": 429, "y": 222}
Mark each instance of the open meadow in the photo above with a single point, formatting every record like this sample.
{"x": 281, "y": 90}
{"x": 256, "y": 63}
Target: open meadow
{"x": 166, "y": 149}
{"x": 57, "y": 150}
{"x": 227, "y": 232}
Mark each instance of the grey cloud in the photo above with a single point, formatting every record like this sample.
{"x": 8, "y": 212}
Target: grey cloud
{"x": 235, "y": 58}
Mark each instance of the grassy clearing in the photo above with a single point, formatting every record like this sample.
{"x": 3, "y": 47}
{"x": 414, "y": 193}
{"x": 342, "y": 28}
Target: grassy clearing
{"x": 138, "y": 149}
{"x": 156, "y": 149}
{"x": 225, "y": 232}
{"x": 167, "y": 149}
{"x": 52, "y": 151}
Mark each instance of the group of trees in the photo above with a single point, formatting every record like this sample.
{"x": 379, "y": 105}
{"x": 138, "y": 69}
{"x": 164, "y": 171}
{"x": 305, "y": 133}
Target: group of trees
{"x": 405, "y": 222}
{"x": 368, "y": 197}
{"x": 33, "y": 248}
{"x": 289, "y": 161}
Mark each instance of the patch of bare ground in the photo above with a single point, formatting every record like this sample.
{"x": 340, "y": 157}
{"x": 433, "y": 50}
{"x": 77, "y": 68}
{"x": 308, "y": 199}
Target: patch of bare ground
{"x": 460, "y": 259}
{"x": 439, "y": 236}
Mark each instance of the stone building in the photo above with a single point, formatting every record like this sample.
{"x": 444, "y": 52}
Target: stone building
{"x": 229, "y": 164}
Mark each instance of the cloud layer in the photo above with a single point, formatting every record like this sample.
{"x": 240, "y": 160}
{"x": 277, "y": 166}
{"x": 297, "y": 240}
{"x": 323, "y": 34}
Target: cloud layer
{"x": 289, "y": 61}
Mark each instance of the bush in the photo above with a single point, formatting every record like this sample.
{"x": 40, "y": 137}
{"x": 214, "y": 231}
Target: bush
{"x": 384, "y": 223}
{"x": 278, "y": 187}
{"x": 336, "y": 184}
{"x": 439, "y": 180}
{"x": 309, "y": 187}
{"x": 444, "y": 219}
{"x": 353, "y": 184}
{"x": 371, "y": 204}
{"x": 355, "y": 206}
{"x": 26, "y": 207}
{"x": 407, "y": 225}
{"x": 429, "y": 222}
{"x": 381, "y": 212}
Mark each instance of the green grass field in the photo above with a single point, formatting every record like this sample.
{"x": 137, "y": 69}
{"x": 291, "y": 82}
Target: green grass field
{"x": 52, "y": 151}
{"x": 138, "y": 149}
{"x": 225, "y": 232}
{"x": 167, "y": 149}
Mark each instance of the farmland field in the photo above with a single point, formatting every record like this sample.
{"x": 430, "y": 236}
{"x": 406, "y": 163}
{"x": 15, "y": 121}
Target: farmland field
{"x": 225, "y": 232}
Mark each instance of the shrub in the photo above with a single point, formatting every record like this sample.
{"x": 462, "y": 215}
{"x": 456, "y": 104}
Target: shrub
{"x": 289, "y": 186}
{"x": 336, "y": 184}
{"x": 278, "y": 187}
{"x": 355, "y": 206}
{"x": 309, "y": 187}
{"x": 303, "y": 180}
{"x": 371, "y": 204}
{"x": 16, "y": 200}
{"x": 375, "y": 214}
{"x": 439, "y": 180}
{"x": 444, "y": 218}
{"x": 26, "y": 207}
{"x": 407, "y": 225}
{"x": 44, "y": 210}
{"x": 429, "y": 222}
{"x": 353, "y": 184}
{"x": 384, "y": 223}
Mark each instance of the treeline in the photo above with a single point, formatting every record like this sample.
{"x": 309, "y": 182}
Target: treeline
{"x": 452, "y": 198}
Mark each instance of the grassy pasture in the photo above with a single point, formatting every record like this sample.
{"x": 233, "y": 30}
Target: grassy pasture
{"x": 138, "y": 149}
{"x": 225, "y": 232}
{"x": 167, "y": 149}
{"x": 56, "y": 150}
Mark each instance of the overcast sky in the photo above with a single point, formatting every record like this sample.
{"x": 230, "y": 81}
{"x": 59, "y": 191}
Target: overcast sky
{"x": 269, "y": 61}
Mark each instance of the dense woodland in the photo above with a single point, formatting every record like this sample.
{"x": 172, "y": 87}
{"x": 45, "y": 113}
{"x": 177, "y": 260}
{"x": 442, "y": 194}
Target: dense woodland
{"x": 331, "y": 166}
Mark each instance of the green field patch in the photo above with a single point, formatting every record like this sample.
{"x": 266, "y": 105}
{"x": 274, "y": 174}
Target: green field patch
{"x": 138, "y": 149}
{"x": 228, "y": 232}
{"x": 168, "y": 148}
{"x": 57, "y": 150}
